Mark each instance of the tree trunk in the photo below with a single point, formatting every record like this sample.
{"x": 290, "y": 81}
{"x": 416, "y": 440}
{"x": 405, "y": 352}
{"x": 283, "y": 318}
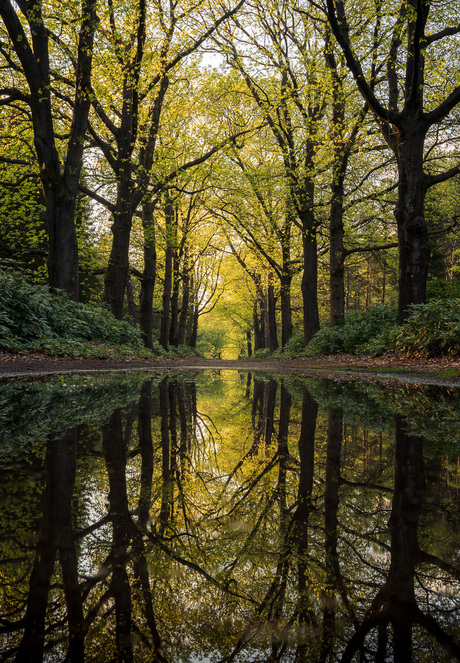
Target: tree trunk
{"x": 194, "y": 327}
{"x": 260, "y": 316}
{"x": 167, "y": 288}
{"x": 173, "y": 328}
{"x": 271, "y": 338}
{"x": 413, "y": 241}
{"x": 258, "y": 336}
{"x": 310, "y": 285}
{"x": 248, "y": 342}
{"x": 59, "y": 181}
{"x": 118, "y": 266}
{"x": 191, "y": 313}
{"x": 310, "y": 251}
{"x": 184, "y": 310}
{"x": 149, "y": 276}
{"x": 130, "y": 300}
{"x": 336, "y": 254}
{"x": 286, "y": 311}
{"x": 286, "y": 278}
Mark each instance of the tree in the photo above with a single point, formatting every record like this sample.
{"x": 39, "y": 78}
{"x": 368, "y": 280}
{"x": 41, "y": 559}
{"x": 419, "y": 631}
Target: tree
{"x": 143, "y": 51}
{"x": 404, "y": 110}
{"x": 30, "y": 59}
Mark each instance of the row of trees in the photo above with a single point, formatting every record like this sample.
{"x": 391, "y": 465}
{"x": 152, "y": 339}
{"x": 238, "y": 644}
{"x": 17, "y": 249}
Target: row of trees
{"x": 273, "y": 160}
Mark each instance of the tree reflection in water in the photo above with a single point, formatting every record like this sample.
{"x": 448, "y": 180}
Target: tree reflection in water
{"x": 271, "y": 529}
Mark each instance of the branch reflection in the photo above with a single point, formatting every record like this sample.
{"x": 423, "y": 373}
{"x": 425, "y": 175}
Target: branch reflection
{"x": 239, "y": 520}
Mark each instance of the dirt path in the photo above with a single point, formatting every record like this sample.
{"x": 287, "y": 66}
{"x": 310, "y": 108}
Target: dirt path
{"x": 388, "y": 367}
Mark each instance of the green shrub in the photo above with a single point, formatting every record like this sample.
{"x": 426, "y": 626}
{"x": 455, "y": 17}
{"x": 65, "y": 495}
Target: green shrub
{"x": 32, "y": 317}
{"x": 441, "y": 289}
{"x": 293, "y": 347}
{"x": 432, "y": 329}
{"x": 262, "y": 353}
{"x": 375, "y": 324}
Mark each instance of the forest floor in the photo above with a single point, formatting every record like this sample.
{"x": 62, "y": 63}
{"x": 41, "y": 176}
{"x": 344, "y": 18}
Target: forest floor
{"x": 440, "y": 371}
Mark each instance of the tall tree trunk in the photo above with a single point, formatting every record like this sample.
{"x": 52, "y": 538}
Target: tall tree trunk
{"x": 118, "y": 266}
{"x": 310, "y": 250}
{"x": 261, "y": 317}
{"x": 414, "y": 245}
{"x": 336, "y": 252}
{"x": 258, "y": 337}
{"x": 184, "y": 310}
{"x": 286, "y": 278}
{"x": 130, "y": 300}
{"x": 168, "y": 277}
{"x": 286, "y": 311}
{"x": 191, "y": 313}
{"x": 310, "y": 285}
{"x": 173, "y": 328}
{"x": 248, "y": 343}
{"x": 271, "y": 337}
{"x": 194, "y": 334}
{"x": 149, "y": 275}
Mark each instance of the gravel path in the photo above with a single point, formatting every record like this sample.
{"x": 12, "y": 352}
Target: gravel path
{"x": 444, "y": 372}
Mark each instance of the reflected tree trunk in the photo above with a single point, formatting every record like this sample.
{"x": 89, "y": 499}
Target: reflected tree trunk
{"x": 114, "y": 449}
{"x": 304, "y": 505}
{"x": 396, "y": 602}
{"x": 331, "y": 505}
{"x": 165, "y": 447}
{"x": 146, "y": 447}
{"x": 268, "y": 410}
{"x": 409, "y": 491}
{"x": 55, "y": 536}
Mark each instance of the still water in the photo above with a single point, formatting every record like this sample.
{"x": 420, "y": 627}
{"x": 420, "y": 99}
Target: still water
{"x": 223, "y": 516}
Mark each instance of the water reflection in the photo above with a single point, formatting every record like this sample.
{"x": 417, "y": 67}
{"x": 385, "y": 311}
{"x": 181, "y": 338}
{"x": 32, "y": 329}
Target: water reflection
{"x": 229, "y": 518}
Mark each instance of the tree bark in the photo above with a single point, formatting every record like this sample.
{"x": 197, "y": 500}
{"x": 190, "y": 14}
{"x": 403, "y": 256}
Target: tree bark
{"x": 118, "y": 266}
{"x": 309, "y": 282}
{"x": 168, "y": 277}
{"x": 310, "y": 251}
{"x": 184, "y": 309}
{"x": 414, "y": 245}
{"x": 286, "y": 310}
{"x": 149, "y": 275}
{"x": 336, "y": 253}
{"x": 271, "y": 337}
{"x": 174, "y": 326}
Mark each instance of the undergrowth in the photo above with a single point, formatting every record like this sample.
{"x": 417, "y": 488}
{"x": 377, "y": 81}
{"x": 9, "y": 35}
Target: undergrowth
{"x": 432, "y": 329}
{"x": 34, "y": 319}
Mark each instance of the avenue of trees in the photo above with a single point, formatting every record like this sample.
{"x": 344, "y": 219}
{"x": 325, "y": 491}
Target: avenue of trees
{"x": 255, "y": 166}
